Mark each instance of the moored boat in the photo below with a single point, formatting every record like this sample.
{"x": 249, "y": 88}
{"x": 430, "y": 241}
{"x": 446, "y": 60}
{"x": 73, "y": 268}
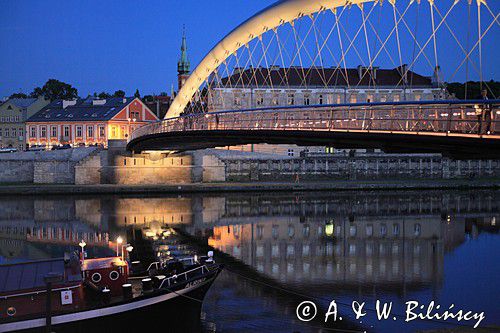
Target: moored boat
{"x": 61, "y": 293}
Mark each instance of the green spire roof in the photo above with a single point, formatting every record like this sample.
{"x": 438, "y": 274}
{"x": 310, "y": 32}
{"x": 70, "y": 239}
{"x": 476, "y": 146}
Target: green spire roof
{"x": 183, "y": 66}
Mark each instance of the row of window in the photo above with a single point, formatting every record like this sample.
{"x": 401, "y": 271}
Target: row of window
{"x": 11, "y": 119}
{"x": 369, "y": 230}
{"x": 324, "y": 99}
{"x": 66, "y": 131}
{"x": 11, "y": 132}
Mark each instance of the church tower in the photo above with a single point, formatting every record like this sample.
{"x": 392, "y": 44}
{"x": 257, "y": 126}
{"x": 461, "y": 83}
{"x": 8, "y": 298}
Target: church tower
{"x": 183, "y": 66}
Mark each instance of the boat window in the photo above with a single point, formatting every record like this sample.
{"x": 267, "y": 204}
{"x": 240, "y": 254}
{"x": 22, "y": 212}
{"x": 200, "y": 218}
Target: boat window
{"x": 114, "y": 275}
{"x": 96, "y": 277}
{"x": 11, "y": 311}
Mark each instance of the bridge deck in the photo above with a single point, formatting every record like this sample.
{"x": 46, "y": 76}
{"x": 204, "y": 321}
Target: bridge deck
{"x": 452, "y": 127}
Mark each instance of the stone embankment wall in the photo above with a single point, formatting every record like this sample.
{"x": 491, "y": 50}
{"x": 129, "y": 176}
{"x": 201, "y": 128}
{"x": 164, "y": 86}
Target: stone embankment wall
{"x": 42, "y": 167}
{"x": 87, "y": 166}
{"x": 362, "y": 167}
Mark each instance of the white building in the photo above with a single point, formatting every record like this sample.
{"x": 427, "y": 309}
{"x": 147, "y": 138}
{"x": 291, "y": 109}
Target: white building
{"x": 276, "y": 86}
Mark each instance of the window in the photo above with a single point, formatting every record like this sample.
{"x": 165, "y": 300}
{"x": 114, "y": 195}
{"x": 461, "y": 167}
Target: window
{"x": 43, "y": 131}
{"x": 352, "y": 231}
{"x": 291, "y": 99}
{"x": 291, "y": 231}
{"x": 369, "y": 230}
{"x": 102, "y": 131}
{"x": 134, "y": 115}
{"x": 53, "y": 131}
{"x": 290, "y": 152}
{"x": 275, "y": 231}
{"x": 66, "y": 131}
{"x": 237, "y": 100}
{"x": 7, "y": 133}
{"x": 259, "y": 99}
{"x": 396, "y": 98}
{"x": 353, "y": 98}
{"x": 90, "y": 131}
{"x": 78, "y": 131}
{"x": 320, "y": 99}
{"x": 17, "y": 119}
{"x": 1, "y": 133}
{"x": 33, "y": 131}
{"x": 383, "y": 230}
{"x": 260, "y": 231}
{"x": 307, "y": 100}
{"x": 276, "y": 100}
{"x": 395, "y": 229}
{"x": 113, "y": 131}
{"x": 417, "y": 229}
{"x": 14, "y": 132}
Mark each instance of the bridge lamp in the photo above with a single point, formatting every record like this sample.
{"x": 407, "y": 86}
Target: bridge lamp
{"x": 119, "y": 241}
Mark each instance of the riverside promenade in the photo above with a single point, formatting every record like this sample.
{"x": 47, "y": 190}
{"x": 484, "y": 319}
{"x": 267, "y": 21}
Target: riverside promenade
{"x": 339, "y": 185}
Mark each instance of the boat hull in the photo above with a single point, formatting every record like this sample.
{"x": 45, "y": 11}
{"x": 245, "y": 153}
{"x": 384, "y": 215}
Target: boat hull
{"x": 175, "y": 308}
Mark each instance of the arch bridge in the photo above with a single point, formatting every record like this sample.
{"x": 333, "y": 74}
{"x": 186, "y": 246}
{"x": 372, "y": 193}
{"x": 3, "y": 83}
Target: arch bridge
{"x": 344, "y": 74}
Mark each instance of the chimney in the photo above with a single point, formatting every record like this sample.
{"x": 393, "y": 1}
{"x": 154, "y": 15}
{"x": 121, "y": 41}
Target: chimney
{"x": 404, "y": 73}
{"x": 98, "y": 102}
{"x": 66, "y": 103}
{"x": 436, "y": 77}
{"x": 124, "y": 100}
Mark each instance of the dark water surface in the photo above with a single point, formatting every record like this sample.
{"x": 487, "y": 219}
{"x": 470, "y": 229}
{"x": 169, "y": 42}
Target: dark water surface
{"x": 283, "y": 249}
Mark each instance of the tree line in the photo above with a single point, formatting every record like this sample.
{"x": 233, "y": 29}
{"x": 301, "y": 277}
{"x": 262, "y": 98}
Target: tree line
{"x": 54, "y": 89}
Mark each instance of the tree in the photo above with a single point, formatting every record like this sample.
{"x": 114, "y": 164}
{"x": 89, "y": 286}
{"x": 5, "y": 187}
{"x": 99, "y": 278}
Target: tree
{"x": 19, "y": 95}
{"x": 148, "y": 98}
{"x": 474, "y": 89}
{"x": 37, "y": 92}
{"x": 55, "y": 89}
{"x": 137, "y": 94}
{"x": 119, "y": 93}
{"x": 104, "y": 95}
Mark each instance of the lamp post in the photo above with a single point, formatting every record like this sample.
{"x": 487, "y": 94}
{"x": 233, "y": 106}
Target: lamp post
{"x": 127, "y": 247}
{"x": 82, "y": 245}
{"x": 119, "y": 240}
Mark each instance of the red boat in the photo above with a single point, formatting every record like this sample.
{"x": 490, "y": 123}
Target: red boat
{"x": 60, "y": 293}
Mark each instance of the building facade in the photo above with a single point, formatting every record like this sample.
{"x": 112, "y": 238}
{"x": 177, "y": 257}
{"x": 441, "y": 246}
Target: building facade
{"x": 276, "y": 86}
{"x": 87, "y": 122}
{"x": 13, "y": 114}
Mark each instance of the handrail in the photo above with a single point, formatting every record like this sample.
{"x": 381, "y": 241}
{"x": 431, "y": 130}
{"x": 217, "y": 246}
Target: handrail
{"x": 155, "y": 263}
{"x": 202, "y": 268}
{"x": 426, "y": 116}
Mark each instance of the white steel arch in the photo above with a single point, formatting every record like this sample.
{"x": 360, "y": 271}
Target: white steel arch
{"x": 281, "y": 12}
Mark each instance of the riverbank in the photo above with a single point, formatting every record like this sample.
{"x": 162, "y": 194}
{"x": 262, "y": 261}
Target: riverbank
{"x": 340, "y": 185}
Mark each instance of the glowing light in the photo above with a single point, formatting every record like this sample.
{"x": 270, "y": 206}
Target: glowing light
{"x": 329, "y": 229}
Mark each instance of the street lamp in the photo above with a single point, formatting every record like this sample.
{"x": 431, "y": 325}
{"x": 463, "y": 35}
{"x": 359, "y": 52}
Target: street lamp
{"x": 119, "y": 240}
{"x": 127, "y": 247}
{"x": 82, "y": 245}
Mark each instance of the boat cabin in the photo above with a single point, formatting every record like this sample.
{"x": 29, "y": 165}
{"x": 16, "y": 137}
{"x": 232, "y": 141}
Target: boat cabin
{"x": 110, "y": 273}
{"x": 23, "y": 287}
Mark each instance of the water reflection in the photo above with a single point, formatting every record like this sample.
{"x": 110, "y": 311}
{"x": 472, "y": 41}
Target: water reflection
{"x": 359, "y": 244}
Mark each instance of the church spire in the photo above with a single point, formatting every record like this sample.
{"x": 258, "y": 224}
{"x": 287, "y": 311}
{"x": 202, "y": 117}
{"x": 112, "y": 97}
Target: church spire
{"x": 183, "y": 66}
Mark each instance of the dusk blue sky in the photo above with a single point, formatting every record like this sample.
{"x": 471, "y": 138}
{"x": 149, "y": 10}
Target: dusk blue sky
{"x": 108, "y": 45}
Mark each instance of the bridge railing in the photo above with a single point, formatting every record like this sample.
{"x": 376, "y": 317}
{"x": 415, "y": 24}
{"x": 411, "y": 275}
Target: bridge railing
{"x": 439, "y": 117}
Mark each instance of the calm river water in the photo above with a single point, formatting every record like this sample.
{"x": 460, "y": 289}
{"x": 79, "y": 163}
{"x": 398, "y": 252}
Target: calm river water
{"x": 282, "y": 249}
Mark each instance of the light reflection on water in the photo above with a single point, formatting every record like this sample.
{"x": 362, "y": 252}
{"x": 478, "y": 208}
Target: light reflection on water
{"x": 348, "y": 246}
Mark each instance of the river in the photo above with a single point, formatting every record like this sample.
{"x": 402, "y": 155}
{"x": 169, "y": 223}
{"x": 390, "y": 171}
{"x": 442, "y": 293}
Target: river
{"x": 281, "y": 249}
